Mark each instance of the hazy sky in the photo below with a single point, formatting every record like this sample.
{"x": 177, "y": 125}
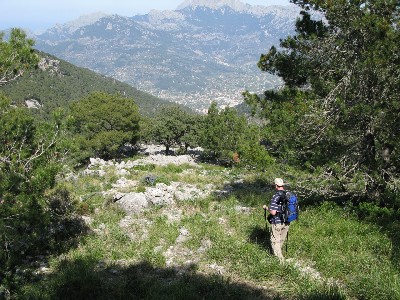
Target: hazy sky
{"x": 43, "y": 14}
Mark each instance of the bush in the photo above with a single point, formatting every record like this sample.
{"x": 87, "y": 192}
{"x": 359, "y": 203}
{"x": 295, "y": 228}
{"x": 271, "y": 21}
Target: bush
{"x": 151, "y": 180}
{"x": 33, "y": 222}
{"x": 34, "y": 230}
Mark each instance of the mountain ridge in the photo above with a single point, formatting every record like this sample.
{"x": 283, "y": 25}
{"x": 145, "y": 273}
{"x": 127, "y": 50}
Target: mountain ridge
{"x": 237, "y": 6}
{"x": 191, "y": 56}
{"x": 234, "y": 4}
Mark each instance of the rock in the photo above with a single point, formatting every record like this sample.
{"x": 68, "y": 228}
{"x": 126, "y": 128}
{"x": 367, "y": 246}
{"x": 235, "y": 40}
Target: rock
{"x": 243, "y": 209}
{"x": 205, "y": 245}
{"x": 163, "y": 160}
{"x": 124, "y": 183}
{"x": 114, "y": 272}
{"x": 33, "y": 103}
{"x": 94, "y": 162}
{"x": 126, "y": 222}
{"x": 101, "y": 230}
{"x": 118, "y": 196}
{"x": 87, "y": 220}
{"x": 160, "y": 195}
{"x": 99, "y": 173}
{"x": 184, "y": 235}
{"x": 158, "y": 249}
{"x": 173, "y": 215}
{"x": 133, "y": 203}
{"x": 122, "y": 172}
{"x": 217, "y": 269}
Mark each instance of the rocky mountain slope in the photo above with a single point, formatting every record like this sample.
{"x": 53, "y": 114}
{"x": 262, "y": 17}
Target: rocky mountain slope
{"x": 203, "y": 51}
{"x": 55, "y": 83}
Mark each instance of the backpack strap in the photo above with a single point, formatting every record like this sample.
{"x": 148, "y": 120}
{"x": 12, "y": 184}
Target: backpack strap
{"x": 282, "y": 195}
{"x": 282, "y": 198}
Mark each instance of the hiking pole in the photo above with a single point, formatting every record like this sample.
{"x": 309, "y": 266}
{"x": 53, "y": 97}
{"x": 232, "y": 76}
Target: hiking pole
{"x": 265, "y": 218}
{"x": 287, "y": 240}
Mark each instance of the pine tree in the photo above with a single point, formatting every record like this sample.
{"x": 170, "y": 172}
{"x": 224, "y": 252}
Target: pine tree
{"x": 16, "y": 56}
{"x": 344, "y": 68}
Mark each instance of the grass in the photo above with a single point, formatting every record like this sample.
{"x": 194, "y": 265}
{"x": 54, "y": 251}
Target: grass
{"x": 225, "y": 254}
{"x": 356, "y": 254}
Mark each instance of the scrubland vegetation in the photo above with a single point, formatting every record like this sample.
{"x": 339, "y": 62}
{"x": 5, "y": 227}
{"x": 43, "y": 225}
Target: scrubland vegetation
{"x": 332, "y": 132}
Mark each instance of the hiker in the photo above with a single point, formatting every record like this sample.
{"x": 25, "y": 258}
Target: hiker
{"x": 279, "y": 229}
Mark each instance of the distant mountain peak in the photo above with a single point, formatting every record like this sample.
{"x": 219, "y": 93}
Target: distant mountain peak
{"x": 206, "y": 51}
{"x": 215, "y": 4}
{"x": 237, "y": 5}
{"x": 83, "y": 21}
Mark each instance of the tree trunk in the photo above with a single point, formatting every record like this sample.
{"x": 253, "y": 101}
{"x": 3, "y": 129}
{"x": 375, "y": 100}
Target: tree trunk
{"x": 167, "y": 149}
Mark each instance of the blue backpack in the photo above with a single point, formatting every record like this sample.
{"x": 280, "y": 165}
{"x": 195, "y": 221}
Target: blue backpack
{"x": 290, "y": 207}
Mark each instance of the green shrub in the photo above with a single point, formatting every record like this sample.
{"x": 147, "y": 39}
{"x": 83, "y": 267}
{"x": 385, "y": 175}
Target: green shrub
{"x": 173, "y": 169}
{"x": 140, "y": 189}
{"x": 148, "y": 168}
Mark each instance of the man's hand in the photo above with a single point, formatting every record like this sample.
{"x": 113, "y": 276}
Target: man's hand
{"x": 265, "y": 207}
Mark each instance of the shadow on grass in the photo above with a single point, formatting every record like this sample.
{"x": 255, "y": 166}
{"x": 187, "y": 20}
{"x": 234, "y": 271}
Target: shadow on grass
{"x": 261, "y": 236}
{"x": 393, "y": 230}
{"x": 390, "y": 226}
{"x": 85, "y": 279}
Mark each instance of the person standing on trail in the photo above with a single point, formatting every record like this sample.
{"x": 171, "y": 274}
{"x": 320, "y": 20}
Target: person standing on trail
{"x": 279, "y": 229}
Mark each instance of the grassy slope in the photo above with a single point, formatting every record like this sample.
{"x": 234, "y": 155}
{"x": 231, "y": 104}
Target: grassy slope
{"x": 332, "y": 255}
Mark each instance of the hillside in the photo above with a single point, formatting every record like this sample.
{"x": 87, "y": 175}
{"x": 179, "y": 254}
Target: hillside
{"x": 197, "y": 232}
{"x": 201, "y": 52}
{"x": 56, "y": 82}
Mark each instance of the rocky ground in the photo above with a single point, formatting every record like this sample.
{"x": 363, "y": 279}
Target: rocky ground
{"x": 135, "y": 203}
{"x": 160, "y": 194}
{"x": 132, "y": 202}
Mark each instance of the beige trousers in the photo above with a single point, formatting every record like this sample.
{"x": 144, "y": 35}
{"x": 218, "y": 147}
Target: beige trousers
{"x": 278, "y": 237}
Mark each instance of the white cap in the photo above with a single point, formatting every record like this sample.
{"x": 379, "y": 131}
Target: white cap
{"x": 279, "y": 182}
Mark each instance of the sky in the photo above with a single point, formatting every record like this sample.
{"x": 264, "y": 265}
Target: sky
{"x": 39, "y": 15}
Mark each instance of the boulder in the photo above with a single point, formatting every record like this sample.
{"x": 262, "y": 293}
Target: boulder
{"x": 133, "y": 203}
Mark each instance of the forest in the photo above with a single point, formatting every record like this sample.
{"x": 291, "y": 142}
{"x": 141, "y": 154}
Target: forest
{"x": 332, "y": 131}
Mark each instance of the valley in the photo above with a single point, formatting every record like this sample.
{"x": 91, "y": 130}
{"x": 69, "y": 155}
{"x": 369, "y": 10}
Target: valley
{"x": 192, "y": 56}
